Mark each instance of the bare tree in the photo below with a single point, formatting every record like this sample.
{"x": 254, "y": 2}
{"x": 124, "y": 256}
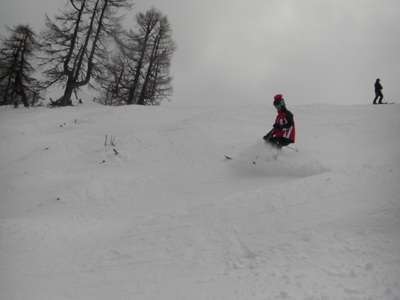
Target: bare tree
{"x": 112, "y": 84}
{"x": 144, "y": 72}
{"x": 157, "y": 81}
{"x": 75, "y": 44}
{"x": 16, "y": 83}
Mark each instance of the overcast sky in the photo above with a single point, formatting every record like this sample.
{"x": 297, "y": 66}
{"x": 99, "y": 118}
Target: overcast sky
{"x": 246, "y": 51}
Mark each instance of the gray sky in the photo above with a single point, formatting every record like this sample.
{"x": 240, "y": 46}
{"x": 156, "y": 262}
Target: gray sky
{"x": 246, "y": 51}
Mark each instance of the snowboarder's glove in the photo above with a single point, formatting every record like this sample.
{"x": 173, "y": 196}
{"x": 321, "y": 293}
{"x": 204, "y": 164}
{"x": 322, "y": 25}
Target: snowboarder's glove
{"x": 277, "y": 126}
{"x": 266, "y": 137}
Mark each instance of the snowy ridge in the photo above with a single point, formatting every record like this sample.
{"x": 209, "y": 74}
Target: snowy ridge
{"x": 163, "y": 215}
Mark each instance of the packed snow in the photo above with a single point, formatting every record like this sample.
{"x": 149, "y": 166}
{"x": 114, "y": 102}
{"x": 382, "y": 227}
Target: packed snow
{"x": 162, "y": 214}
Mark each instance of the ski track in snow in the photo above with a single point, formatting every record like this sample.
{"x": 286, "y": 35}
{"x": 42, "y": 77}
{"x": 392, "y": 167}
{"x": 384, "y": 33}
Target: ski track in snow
{"x": 169, "y": 217}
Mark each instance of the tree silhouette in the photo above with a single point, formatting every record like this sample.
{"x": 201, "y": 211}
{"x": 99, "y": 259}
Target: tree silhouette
{"x": 16, "y": 83}
{"x": 141, "y": 75}
{"x": 75, "y": 44}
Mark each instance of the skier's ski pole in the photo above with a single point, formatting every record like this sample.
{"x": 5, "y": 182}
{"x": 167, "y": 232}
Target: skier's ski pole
{"x": 297, "y": 150}
{"x": 254, "y": 162}
{"x": 269, "y": 135}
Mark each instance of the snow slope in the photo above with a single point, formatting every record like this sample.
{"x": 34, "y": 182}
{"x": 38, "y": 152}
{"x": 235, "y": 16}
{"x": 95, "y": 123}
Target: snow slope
{"x": 168, "y": 217}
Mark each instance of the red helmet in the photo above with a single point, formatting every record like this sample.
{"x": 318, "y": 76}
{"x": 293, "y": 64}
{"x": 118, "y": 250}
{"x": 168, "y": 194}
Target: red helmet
{"x": 278, "y": 100}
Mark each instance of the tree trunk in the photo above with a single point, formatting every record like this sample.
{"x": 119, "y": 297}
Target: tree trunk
{"x": 24, "y": 98}
{"x": 132, "y": 91}
{"x": 69, "y": 89}
{"x": 149, "y": 70}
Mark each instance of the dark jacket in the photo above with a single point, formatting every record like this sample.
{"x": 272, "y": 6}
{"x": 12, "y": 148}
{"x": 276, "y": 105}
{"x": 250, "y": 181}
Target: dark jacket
{"x": 378, "y": 86}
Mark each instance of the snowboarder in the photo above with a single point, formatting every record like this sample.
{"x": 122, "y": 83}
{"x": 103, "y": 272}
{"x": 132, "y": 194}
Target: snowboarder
{"x": 284, "y": 131}
{"x": 378, "y": 91}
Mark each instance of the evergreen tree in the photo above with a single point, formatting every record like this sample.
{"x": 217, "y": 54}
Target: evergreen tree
{"x": 16, "y": 83}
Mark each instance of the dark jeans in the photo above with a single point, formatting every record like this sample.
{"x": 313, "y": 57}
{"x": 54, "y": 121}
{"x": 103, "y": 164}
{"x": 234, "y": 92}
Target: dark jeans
{"x": 378, "y": 95}
{"x": 278, "y": 142}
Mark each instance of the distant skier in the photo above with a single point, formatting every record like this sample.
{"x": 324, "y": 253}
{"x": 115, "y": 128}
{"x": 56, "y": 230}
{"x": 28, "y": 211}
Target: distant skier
{"x": 284, "y": 131}
{"x": 378, "y": 91}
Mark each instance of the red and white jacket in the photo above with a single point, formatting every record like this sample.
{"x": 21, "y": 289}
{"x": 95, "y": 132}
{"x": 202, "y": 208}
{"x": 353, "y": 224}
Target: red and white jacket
{"x": 288, "y": 130}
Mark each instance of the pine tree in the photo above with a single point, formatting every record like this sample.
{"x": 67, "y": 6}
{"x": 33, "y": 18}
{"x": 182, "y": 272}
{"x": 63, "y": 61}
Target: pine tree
{"x": 16, "y": 83}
